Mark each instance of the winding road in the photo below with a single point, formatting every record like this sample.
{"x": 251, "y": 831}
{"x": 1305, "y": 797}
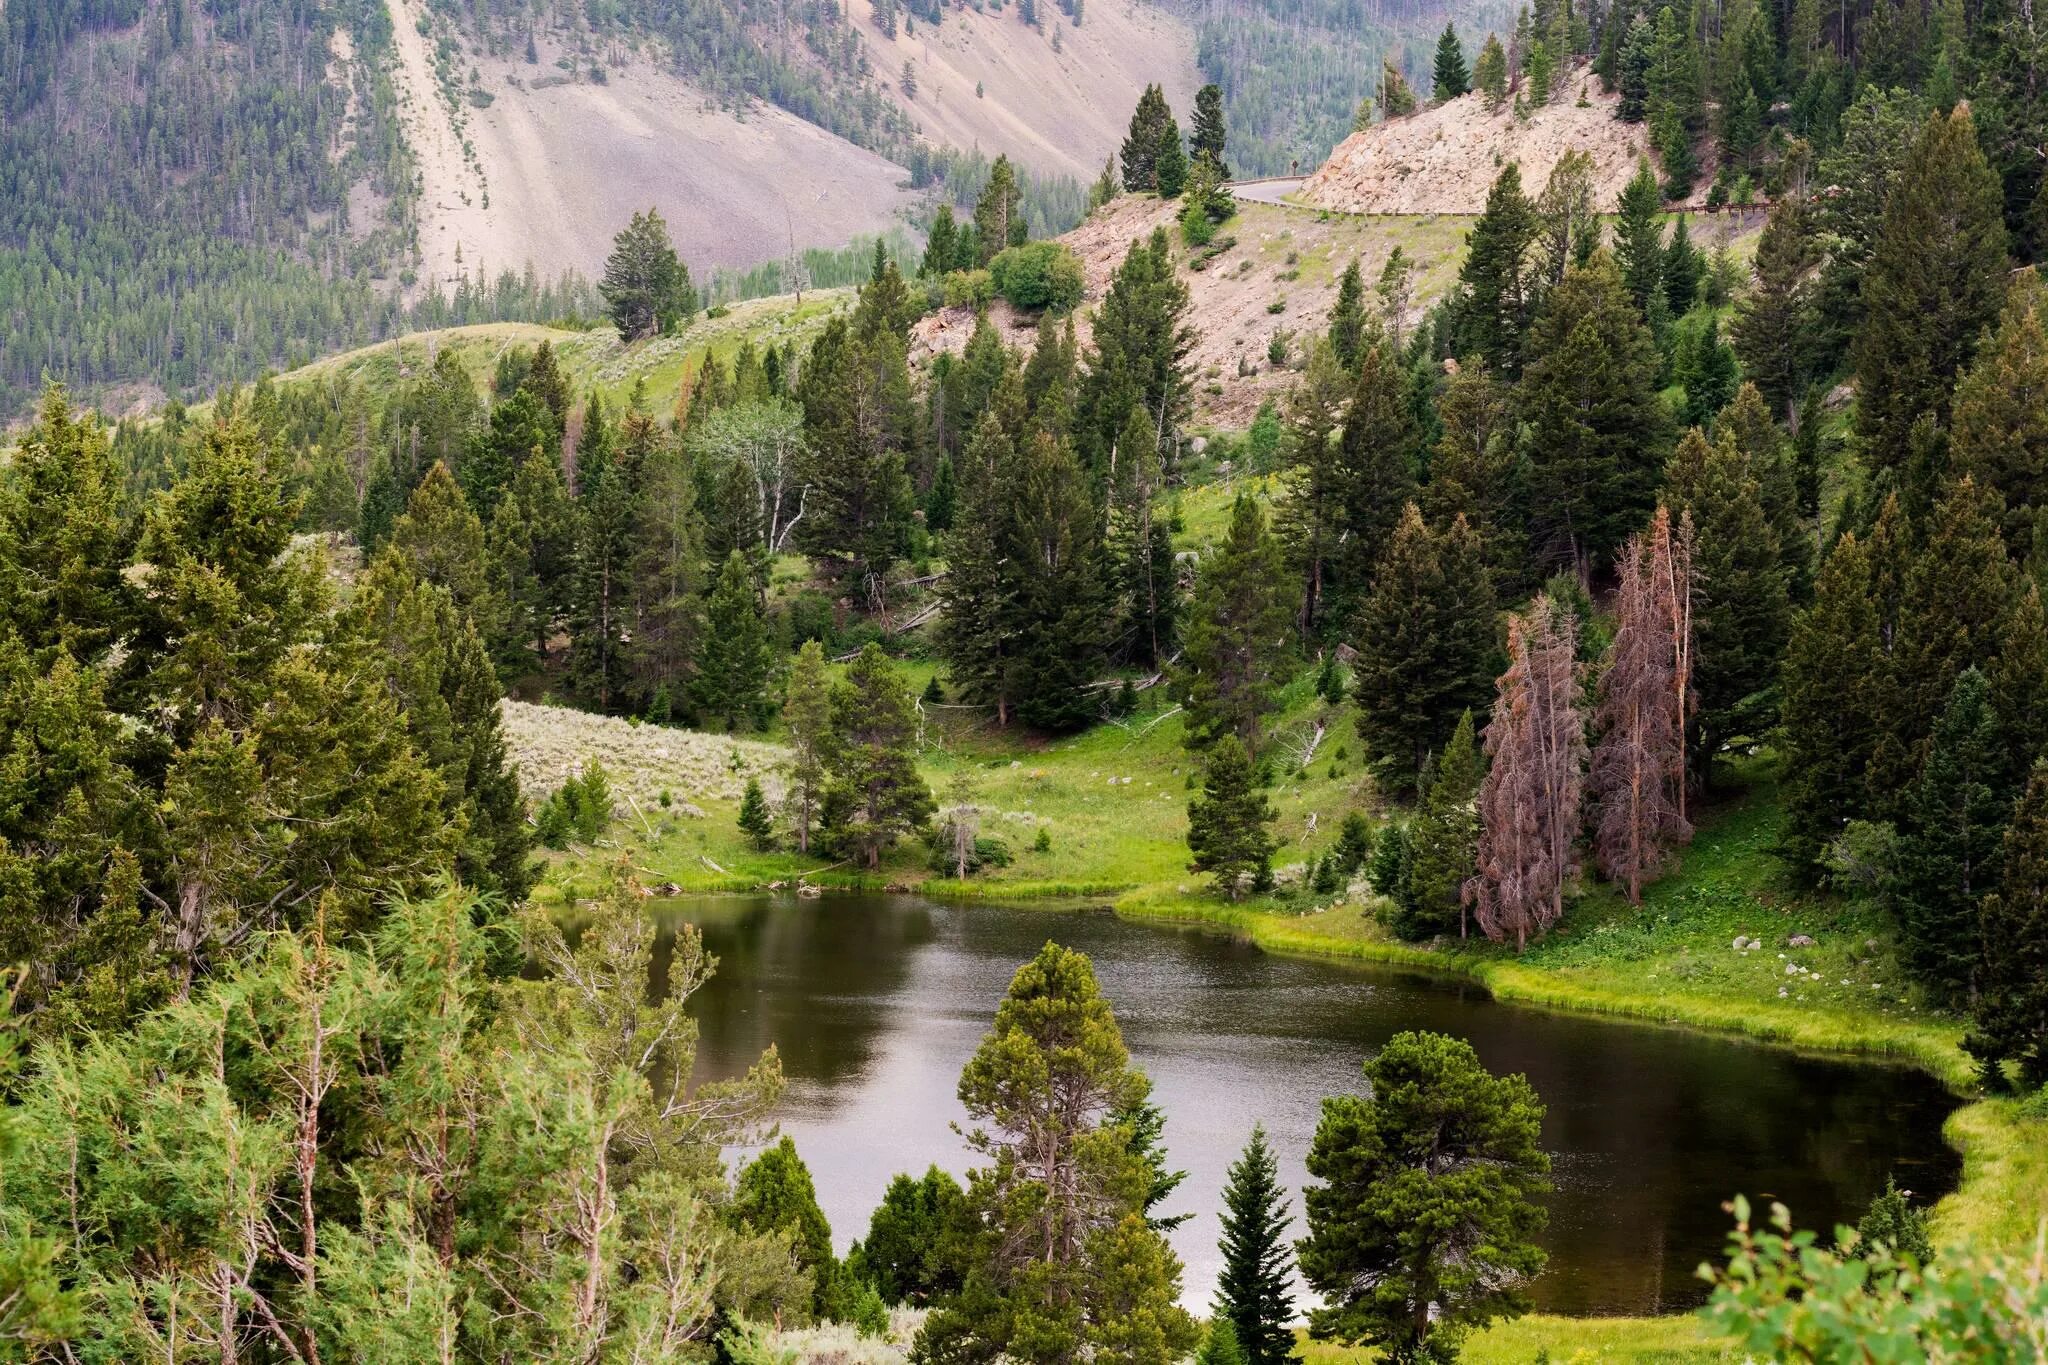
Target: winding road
{"x": 1271, "y": 190}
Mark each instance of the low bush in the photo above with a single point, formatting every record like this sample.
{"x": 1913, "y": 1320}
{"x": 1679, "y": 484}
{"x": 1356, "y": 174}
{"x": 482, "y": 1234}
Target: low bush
{"x": 1038, "y": 275}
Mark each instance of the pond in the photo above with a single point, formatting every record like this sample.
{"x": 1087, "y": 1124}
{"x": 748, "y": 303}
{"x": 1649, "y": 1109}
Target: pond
{"x": 876, "y": 1002}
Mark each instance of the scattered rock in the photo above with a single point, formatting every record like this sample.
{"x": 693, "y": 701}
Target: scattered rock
{"x": 668, "y": 889}
{"x": 809, "y": 892}
{"x": 1799, "y": 941}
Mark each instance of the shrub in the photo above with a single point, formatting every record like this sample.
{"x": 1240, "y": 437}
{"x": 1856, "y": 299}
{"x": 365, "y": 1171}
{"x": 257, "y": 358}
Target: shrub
{"x": 1196, "y": 227}
{"x": 579, "y": 809}
{"x": 1038, "y": 275}
{"x": 969, "y": 289}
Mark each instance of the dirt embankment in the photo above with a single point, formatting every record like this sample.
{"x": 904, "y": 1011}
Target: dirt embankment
{"x": 1277, "y": 279}
{"x": 551, "y": 168}
{"x": 990, "y": 81}
{"x": 1443, "y": 160}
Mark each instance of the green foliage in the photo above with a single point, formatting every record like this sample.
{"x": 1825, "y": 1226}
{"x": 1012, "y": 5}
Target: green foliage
{"x": 1491, "y": 308}
{"x": 2010, "y": 990}
{"x": 1227, "y": 822}
{"x": 646, "y": 286}
{"x": 1950, "y": 852}
{"x": 1347, "y": 317}
{"x": 754, "y": 820}
{"x": 1236, "y": 646}
{"x": 579, "y": 809}
{"x": 1354, "y": 843}
{"x": 1784, "y": 1296}
{"x": 1038, "y": 275}
{"x": 1140, "y": 153}
{"x": 1206, "y": 134}
{"x": 1422, "y": 1228}
{"x": 1443, "y": 838}
{"x": 1892, "y": 1228}
{"x": 733, "y": 662}
{"x": 916, "y": 1240}
{"x": 874, "y": 789}
{"x": 1219, "y": 1346}
{"x": 1451, "y": 79}
{"x": 1254, "y": 1297}
{"x": 1490, "y": 73}
{"x": 1170, "y": 164}
{"x": 1063, "y": 1261}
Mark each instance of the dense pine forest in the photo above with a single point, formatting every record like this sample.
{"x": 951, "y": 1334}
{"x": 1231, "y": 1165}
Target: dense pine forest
{"x": 1627, "y": 594}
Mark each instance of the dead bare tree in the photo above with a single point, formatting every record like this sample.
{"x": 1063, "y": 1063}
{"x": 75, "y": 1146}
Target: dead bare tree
{"x": 1529, "y": 803}
{"x": 1638, "y": 768}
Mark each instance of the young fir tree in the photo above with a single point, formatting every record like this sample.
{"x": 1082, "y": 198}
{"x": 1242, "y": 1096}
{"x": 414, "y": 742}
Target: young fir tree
{"x": 1426, "y": 642}
{"x": 1632, "y": 73}
{"x": 1237, "y": 648}
{"x": 1253, "y": 1291}
{"x": 1490, "y": 73}
{"x": 1139, "y": 158}
{"x": 1443, "y": 839}
{"x": 1950, "y": 847}
{"x": 2009, "y": 1010}
{"x": 999, "y": 212}
{"x": 1677, "y": 112}
{"x": 858, "y": 417}
{"x": 1450, "y": 77}
{"x": 1140, "y": 357}
{"x": 872, "y": 759}
{"x": 807, "y": 712}
{"x": 646, "y": 286}
{"x": 668, "y": 569}
{"x": 1428, "y": 1208}
{"x": 1595, "y": 422}
{"x": 601, "y": 617}
{"x": 1220, "y": 1346}
{"x": 1206, "y": 135}
{"x": 1747, "y": 421}
{"x": 733, "y": 663}
{"x": 532, "y": 545}
{"x": 1775, "y": 322}
{"x": 1227, "y": 822}
{"x": 1530, "y": 804}
{"x": 754, "y": 820}
{"x": 940, "y": 244}
{"x": 1684, "y": 269}
{"x": 912, "y": 1251}
{"x": 1490, "y": 309}
{"x": 1933, "y": 288}
{"x": 1060, "y": 1264}
{"x": 1141, "y": 550}
{"x": 1999, "y": 432}
{"x": 775, "y": 1194}
{"x": 1347, "y": 317}
{"x": 979, "y": 588}
{"x": 1743, "y": 612}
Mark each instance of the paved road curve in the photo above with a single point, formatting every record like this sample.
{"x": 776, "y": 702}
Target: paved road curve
{"x": 1270, "y": 191}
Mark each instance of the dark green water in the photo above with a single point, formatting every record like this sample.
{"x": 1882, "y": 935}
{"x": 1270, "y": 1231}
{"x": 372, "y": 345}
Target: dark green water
{"x": 876, "y": 1001}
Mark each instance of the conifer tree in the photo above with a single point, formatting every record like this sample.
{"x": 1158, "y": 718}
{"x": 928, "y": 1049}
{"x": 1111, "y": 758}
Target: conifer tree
{"x": 1062, "y": 1264}
{"x": 1595, "y": 422}
{"x": 1139, "y": 359}
{"x": 1141, "y": 550}
{"x": 1747, "y": 421}
{"x": 1309, "y": 516}
{"x": 668, "y": 570}
{"x": 733, "y": 661}
{"x": 1632, "y": 76}
{"x": 1426, "y": 642}
{"x": 601, "y": 618}
{"x": 1490, "y": 309}
{"x": 1774, "y": 322}
{"x": 1637, "y": 775}
{"x": 646, "y": 285}
{"x": 1834, "y": 703}
{"x": 62, "y": 542}
{"x": 1639, "y": 242}
{"x": 999, "y": 212}
{"x": 754, "y": 820}
{"x": 1490, "y": 73}
{"x": 975, "y": 629}
{"x": 1474, "y": 470}
{"x": 1253, "y": 1293}
{"x": 1227, "y": 822}
{"x": 532, "y": 545}
{"x": 1743, "y": 614}
{"x": 1377, "y": 456}
{"x": 1206, "y": 136}
{"x": 1950, "y": 846}
{"x": 1449, "y": 73}
{"x": 807, "y": 712}
{"x": 872, "y": 759}
{"x": 855, "y": 392}
{"x": 1347, "y": 317}
{"x": 2000, "y": 427}
{"x": 1140, "y": 155}
{"x": 1529, "y": 805}
{"x": 1426, "y": 1215}
{"x": 1396, "y": 98}
{"x": 1933, "y": 287}
{"x": 1052, "y": 548}
{"x": 1170, "y": 167}
{"x": 1684, "y": 268}
{"x": 2009, "y": 1009}
{"x": 939, "y": 243}
{"x": 1236, "y": 650}
{"x": 1954, "y": 602}
{"x": 1443, "y": 839}
{"x": 1675, "y": 107}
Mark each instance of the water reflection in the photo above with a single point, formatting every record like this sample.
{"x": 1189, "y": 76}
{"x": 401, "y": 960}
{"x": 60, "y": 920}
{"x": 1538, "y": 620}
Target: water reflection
{"x": 876, "y": 1001}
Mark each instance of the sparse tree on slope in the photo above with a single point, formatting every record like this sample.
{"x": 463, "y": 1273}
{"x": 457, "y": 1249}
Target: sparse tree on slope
{"x": 1253, "y": 1293}
{"x": 1451, "y": 77}
{"x": 646, "y": 285}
